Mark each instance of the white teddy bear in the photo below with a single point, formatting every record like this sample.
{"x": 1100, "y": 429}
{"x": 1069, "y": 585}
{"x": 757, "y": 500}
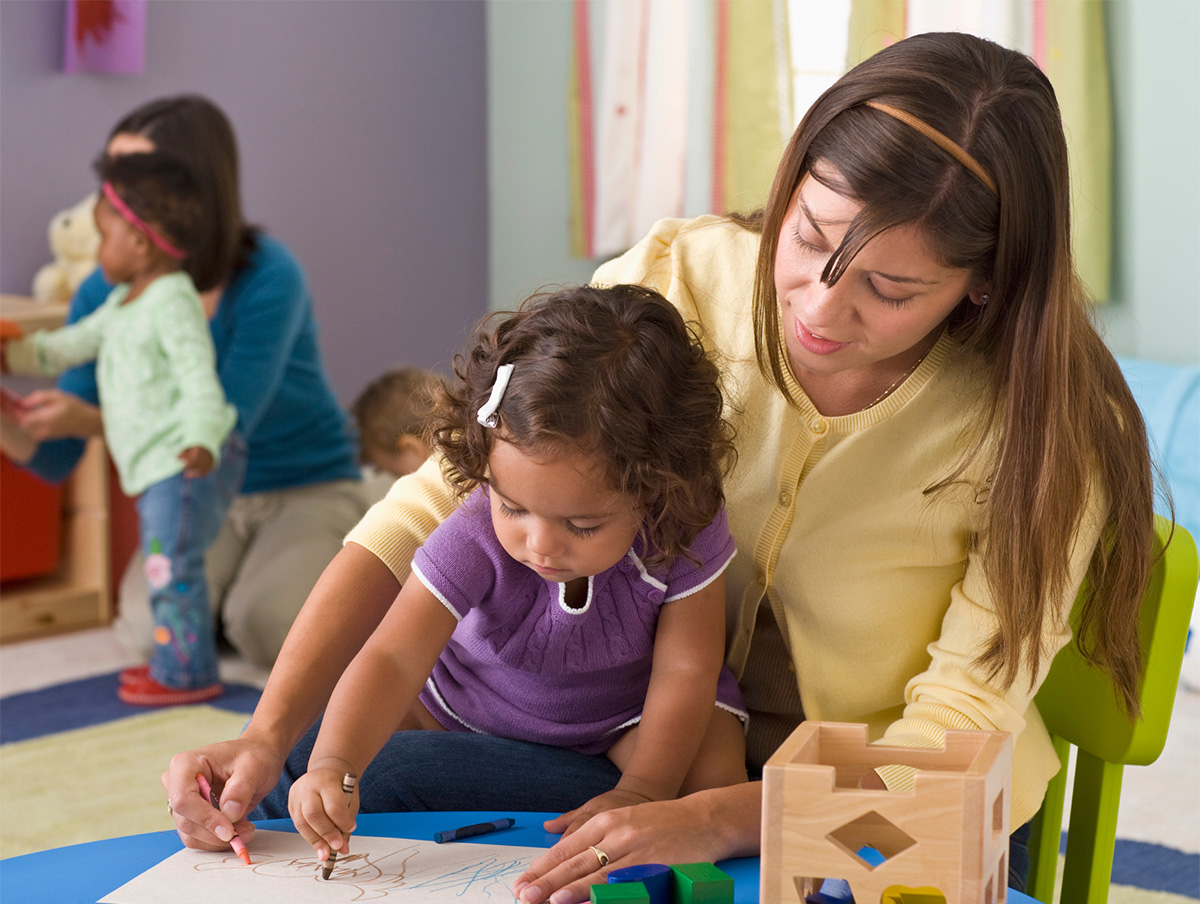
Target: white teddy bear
{"x": 74, "y": 241}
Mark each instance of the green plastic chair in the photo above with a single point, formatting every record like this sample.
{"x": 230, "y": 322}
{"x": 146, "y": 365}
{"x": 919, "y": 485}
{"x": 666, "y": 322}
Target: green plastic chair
{"x": 1080, "y": 708}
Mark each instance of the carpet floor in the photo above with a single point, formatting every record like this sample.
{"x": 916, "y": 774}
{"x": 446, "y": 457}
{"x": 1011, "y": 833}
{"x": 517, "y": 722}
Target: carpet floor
{"x": 77, "y": 765}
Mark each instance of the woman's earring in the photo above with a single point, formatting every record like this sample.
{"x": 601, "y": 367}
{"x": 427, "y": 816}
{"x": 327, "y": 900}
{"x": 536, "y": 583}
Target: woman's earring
{"x": 984, "y": 299}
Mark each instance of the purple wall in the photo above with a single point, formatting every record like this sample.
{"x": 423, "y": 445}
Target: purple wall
{"x": 362, "y": 128}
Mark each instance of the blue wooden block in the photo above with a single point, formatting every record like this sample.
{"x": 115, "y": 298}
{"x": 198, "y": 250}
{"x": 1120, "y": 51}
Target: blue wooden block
{"x": 656, "y": 877}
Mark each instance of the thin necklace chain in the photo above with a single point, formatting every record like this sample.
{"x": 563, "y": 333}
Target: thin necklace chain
{"x": 904, "y": 376}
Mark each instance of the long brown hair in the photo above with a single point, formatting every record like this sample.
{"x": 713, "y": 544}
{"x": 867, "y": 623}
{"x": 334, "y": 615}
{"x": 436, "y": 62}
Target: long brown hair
{"x": 1068, "y": 424}
{"x": 194, "y": 130}
{"x": 615, "y": 373}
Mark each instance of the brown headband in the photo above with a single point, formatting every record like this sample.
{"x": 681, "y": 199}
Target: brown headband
{"x": 940, "y": 140}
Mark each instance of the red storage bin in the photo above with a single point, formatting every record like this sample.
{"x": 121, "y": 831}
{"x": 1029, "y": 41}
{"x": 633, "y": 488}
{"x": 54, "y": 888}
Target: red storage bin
{"x": 30, "y": 523}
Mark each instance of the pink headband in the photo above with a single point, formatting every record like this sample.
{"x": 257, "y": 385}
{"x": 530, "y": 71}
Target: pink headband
{"x": 138, "y": 223}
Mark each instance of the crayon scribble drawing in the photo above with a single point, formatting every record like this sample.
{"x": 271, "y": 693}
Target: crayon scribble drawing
{"x": 284, "y": 870}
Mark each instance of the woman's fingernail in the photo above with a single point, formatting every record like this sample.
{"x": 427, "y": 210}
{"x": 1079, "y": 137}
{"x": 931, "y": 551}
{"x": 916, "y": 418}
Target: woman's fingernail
{"x": 517, "y": 886}
{"x": 562, "y": 896}
{"x": 223, "y": 833}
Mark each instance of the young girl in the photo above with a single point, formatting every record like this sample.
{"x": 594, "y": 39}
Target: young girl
{"x": 166, "y": 421}
{"x": 576, "y": 598}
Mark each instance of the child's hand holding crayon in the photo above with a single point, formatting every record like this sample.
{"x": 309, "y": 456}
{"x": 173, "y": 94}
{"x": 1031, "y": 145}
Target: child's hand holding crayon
{"x": 322, "y": 811}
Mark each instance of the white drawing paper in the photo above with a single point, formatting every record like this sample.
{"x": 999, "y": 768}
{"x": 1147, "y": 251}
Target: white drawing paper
{"x": 285, "y": 870}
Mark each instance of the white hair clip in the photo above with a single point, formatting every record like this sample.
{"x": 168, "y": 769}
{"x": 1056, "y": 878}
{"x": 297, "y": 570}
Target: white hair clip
{"x": 487, "y": 411}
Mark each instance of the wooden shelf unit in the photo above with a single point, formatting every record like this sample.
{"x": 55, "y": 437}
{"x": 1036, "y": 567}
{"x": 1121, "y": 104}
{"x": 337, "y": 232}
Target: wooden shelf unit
{"x": 76, "y": 595}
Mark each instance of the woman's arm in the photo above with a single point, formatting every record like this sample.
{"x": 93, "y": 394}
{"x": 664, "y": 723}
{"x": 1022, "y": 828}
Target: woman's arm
{"x": 348, "y": 602}
{"x": 955, "y": 693}
{"x": 369, "y": 703}
{"x": 702, "y": 827}
{"x": 55, "y": 414}
{"x": 345, "y": 606}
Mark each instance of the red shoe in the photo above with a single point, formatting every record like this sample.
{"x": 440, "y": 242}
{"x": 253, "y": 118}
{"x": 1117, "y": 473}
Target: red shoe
{"x": 134, "y": 674}
{"x": 148, "y": 692}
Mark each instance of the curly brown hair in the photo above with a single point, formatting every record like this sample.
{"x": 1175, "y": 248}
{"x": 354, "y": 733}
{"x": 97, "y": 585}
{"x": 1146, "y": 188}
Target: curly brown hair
{"x": 613, "y": 372}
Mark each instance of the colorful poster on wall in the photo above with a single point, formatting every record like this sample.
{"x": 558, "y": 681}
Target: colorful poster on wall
{"x": 105, "y": 36}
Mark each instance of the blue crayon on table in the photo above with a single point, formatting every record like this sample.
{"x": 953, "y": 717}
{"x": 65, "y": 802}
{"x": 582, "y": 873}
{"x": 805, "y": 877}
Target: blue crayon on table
{"x": 655, "y": 877}
{"x": 480, "y": 828}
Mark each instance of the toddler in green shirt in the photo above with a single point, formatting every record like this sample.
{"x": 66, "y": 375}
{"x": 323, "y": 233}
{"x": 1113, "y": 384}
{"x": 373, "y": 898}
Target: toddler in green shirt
{"x": 166, "y": 422}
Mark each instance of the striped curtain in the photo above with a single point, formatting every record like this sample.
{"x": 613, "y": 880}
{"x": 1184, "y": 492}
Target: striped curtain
{"x": 676, "y": 108}
{"x": 1067, "y": 39}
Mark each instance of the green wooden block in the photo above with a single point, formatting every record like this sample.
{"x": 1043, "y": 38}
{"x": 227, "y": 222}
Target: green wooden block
{"x": 702, "y": 883}
{"x": 623, "y": 892}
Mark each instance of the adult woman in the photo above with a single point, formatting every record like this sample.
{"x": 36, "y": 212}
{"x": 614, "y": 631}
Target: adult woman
{"x": 302, "y": 491}
{"x": 931, "y": 435}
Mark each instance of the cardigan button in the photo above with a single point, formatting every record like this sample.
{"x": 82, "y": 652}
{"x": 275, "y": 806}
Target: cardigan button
{"x": 785, "y": 498}
{"x": 656, "y": 596}
{"x": 818, "y": 425}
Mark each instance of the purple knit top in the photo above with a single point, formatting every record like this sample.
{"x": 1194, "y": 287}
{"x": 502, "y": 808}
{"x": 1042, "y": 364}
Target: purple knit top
{"x": 522, "y": 664}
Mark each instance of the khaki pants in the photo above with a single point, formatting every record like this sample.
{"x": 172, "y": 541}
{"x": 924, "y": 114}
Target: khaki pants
{"x": 268, "y": 555}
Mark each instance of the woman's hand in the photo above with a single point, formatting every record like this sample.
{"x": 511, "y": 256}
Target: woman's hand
{"x": 609, "y": 800}
{"x": 242, "y": 772}
{"x": 321, "y": 811}
{"x": 15, "y": 441}
{"x": 703, "y": 827}
{"x": 54, "y": 414}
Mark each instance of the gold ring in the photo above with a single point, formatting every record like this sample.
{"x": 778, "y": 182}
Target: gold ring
{"x": 600, "y": 855}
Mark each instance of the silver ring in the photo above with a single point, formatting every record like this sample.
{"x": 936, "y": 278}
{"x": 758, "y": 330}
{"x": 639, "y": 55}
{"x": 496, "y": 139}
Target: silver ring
{"x": 600, "y": 855}
{"x": 170, "y": 809}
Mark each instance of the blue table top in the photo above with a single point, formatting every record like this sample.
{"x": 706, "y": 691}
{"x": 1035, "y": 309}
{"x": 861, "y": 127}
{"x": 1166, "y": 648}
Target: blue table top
{"x": 84, "y": 873}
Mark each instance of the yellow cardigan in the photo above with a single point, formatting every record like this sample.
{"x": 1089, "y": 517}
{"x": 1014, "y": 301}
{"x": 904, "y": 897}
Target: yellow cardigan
{"x": 882, "y": 602}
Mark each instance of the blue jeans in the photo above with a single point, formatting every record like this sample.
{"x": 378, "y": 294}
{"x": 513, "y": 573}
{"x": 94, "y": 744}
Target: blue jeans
{"x": 418, "y": 771}
{"x": 178, "y": 519}
{"x": 1018, "y": 857}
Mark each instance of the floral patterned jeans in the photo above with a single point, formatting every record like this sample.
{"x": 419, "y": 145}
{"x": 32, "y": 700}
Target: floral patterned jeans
{"x": 178, "y": 518}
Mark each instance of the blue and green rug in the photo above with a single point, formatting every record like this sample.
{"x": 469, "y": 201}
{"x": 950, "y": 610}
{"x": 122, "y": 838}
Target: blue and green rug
{"x": 77, "y": 764}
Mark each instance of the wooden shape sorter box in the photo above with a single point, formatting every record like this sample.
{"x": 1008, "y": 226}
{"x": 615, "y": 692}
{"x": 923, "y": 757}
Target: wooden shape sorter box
{"x": 950, "y": 833}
